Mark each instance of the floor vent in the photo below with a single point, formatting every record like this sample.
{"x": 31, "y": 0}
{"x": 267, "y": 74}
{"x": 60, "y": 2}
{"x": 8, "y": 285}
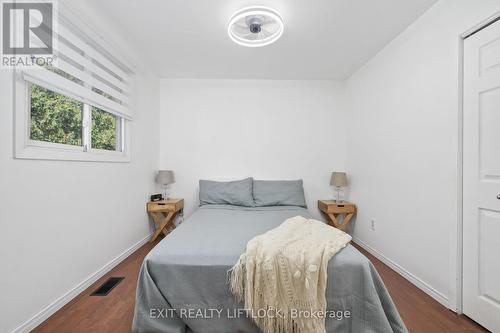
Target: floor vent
{"x": 107, "y": 286}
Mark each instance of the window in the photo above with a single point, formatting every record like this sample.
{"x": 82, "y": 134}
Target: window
{"x": 56, "y": 118}
{"x": 78, "y": 108}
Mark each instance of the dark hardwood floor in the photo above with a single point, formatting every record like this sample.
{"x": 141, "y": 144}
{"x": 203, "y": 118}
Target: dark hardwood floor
{"x": 113, "y": 313}
{"x": 95, "y": 314}
{"x": 420, "y": 312}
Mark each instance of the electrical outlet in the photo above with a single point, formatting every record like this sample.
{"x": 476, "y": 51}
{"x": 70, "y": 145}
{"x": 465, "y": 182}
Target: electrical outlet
{"x": 372, "y": 225}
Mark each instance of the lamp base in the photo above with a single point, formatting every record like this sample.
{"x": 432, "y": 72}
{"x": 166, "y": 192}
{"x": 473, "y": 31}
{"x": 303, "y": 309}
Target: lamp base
{"x": 338, "y": 199}
{"x": 166, "y": 193}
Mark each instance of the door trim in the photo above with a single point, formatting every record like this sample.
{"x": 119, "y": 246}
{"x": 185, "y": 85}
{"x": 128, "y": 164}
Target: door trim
{"x": 457, "y": 242}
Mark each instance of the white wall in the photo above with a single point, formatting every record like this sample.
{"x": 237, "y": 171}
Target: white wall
{"x": 259, "y": 128}
{"x": 403, "y": 145}
{"x": 63, "y": 221}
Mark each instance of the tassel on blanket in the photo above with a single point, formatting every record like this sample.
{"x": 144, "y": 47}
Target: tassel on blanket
{"x": 236, "y": 278}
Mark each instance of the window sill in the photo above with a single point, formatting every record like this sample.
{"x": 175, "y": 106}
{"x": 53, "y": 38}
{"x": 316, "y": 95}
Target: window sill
{"x": 69, "y": 153}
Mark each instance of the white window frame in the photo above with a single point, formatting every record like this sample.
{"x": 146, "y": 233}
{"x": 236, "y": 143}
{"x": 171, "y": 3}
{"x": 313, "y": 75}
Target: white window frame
{"x": 26, "y": 148}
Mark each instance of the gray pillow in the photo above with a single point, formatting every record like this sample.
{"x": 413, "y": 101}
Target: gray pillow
{"x": 278, "y": 193}
{"x": 238, "y": 193}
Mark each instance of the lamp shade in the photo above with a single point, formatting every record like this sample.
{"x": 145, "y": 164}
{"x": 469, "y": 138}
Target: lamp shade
{"x": 165, "y": 177}
{"x": 338, "y": 179}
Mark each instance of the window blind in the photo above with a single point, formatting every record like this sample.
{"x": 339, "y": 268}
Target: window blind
{"x": 84, "y": 72}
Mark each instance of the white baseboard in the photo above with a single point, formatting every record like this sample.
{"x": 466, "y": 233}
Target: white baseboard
{"x": 424, "y": 286}
{"x": 40, "y": 317}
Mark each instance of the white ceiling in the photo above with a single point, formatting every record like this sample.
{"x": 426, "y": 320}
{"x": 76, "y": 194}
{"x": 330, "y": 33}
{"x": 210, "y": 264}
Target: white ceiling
{"x": 323, "y": 39}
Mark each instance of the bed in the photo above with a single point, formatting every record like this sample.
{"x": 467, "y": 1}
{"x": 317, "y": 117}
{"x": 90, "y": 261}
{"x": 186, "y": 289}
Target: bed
{"x": 182, "y": 283}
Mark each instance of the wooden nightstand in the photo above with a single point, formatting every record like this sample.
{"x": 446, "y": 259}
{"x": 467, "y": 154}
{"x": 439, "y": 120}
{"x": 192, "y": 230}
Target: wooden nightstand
{"x": 163, "y": 213}
{"x": 333, "y": 209}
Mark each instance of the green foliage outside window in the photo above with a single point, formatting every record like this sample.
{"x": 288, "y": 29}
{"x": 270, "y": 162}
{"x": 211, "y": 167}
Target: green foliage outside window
{"x": 103, "y": 130}
{"x": 55, "y": 117}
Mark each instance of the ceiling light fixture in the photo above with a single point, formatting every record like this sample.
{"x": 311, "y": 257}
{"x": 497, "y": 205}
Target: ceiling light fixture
{"x": 255, "y": 26}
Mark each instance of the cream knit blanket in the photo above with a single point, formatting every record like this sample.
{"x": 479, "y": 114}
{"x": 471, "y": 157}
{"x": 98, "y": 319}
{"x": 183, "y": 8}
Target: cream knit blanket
{"x": 282, "y": 275}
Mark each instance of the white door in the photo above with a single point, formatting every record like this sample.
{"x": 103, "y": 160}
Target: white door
{"x": 481, "y": 215}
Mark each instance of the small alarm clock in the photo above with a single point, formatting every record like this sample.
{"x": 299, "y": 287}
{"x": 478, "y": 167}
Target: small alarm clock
{"x": 156, "y": 197}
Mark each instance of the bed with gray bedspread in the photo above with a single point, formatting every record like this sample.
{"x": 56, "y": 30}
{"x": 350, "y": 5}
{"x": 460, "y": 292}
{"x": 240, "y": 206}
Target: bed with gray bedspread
{"x": 186, "y": 273}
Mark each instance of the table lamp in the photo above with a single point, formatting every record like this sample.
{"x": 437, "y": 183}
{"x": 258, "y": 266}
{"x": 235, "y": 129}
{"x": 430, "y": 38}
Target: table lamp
{"x": 339, "y": 180}
{"x": 165, "y": 178}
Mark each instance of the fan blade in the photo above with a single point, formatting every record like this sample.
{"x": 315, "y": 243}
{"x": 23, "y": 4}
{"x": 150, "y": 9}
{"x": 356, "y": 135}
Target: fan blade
{"x": 249, "y": 36}
{"x": 252, "y": 36}
{"x": 268, "y": 20}
{"x": 241, "y": 24}
{"x": 271, "y": 27}
{"x": 240, "y": 30}
{"x": 266, "y": 34}
{"x": 269, "y": 33}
